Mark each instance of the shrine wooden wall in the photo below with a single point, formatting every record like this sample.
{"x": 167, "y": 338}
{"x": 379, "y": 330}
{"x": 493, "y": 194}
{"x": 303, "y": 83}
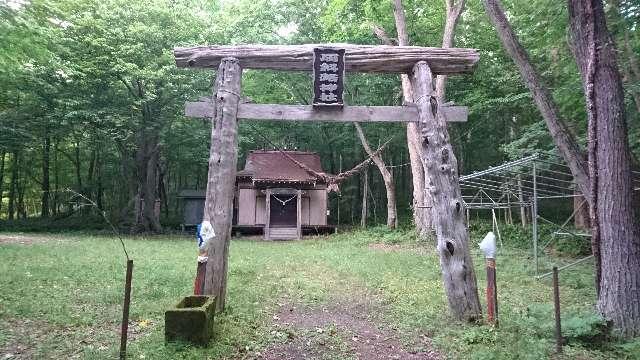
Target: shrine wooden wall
{"x": 251, "y": 206}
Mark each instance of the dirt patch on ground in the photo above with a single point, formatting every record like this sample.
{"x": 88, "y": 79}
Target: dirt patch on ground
{"x": 420, "y": 250}
{"x": 23, "y": 239}
{"x": 24, "y": 338}
{"x": 15, "y": 343}
{"x": 343, "y": 330}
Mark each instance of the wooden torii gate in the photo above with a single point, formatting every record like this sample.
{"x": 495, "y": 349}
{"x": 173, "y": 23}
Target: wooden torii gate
{"x": 422, "y": 63}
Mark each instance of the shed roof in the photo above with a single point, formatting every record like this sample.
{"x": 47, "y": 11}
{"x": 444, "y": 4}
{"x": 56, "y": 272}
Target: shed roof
{"x": 272, "y": 165}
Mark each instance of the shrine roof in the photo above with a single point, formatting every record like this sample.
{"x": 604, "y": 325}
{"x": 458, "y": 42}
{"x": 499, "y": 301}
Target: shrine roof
{"x": 274, "y": 166}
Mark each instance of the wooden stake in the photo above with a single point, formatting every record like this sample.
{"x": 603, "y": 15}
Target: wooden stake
{"x": 365, "y": 205}
{"x": 125, "y": 311}
{"x": 299, "y": 213}
{"x": 492, "y": 293}
{"x": 556, "y": 303}
{"x": 267, "y": 215}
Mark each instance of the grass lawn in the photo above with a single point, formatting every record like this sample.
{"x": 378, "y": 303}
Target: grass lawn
{"x": 60, "y": 297}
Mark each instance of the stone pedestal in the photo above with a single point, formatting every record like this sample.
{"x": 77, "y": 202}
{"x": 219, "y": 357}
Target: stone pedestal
{"x": 191, "y": 320}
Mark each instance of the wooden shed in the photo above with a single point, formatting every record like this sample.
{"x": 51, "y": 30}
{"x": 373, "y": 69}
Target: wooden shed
{"x": 192, "y": 207}
{"x": 274, "y": 196}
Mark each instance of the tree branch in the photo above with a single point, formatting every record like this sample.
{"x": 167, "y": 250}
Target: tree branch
{"x": 379, "y": 32}
{"x": 126, "y": 84}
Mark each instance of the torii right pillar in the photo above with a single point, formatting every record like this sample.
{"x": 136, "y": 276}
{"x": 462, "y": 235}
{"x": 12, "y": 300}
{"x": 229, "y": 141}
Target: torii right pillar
{"x": 441, "y": 175}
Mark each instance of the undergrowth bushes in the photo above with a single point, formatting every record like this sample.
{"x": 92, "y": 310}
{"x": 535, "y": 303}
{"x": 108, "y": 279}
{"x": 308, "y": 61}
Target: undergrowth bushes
{"x": 513, "y": 236}
{"x": 85, "y": 222}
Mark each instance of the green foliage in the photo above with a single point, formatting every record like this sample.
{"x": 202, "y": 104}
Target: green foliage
{"x": 571, "y": 246}
{"x": 94, "y": 78}
{"x": 83, "y": 222}
{"x": 388, "y": 236}
{"x": 587, "y": 328}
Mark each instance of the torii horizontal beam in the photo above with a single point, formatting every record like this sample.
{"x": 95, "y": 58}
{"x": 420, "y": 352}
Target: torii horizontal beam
{"x": 307, "y": 113}
{"x": 358, "y": 58}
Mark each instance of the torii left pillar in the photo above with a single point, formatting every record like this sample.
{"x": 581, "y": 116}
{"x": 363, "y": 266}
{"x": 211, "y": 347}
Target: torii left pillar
{"x": 223, "y": 159}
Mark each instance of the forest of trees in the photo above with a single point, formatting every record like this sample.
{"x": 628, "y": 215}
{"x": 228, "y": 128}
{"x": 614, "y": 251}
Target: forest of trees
{"x": 92, "y": 101}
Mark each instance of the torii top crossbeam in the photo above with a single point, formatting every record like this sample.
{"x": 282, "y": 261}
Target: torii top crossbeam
{"x": 358, "y": 58}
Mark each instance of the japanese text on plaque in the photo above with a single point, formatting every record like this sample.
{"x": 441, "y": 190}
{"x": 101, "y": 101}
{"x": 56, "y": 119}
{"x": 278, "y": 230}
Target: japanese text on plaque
{"x": 328, "y": 76}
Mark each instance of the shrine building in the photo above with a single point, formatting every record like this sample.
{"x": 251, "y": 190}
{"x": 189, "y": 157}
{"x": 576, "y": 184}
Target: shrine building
{"x": 273, "y": 196}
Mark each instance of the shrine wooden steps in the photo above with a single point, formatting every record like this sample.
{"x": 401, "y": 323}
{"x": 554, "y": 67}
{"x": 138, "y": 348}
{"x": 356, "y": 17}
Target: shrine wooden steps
{"x": 283, "y": 233}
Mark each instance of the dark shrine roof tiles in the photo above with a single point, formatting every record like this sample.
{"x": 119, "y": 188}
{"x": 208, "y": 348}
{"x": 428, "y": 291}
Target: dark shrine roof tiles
{"x": 273, "y": 166}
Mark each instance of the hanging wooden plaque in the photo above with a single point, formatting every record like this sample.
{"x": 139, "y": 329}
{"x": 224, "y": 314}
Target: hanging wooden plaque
{"x": 328, "y": 77}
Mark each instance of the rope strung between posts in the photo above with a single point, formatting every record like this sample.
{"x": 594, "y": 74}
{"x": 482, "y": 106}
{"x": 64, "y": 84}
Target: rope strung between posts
{"x": 332, "y": 181}
{"x": 284, "y": 202}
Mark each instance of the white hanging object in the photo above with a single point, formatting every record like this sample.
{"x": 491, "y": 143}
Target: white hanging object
{"x": 206, "y": 233}
{"x": 488, "y": 245}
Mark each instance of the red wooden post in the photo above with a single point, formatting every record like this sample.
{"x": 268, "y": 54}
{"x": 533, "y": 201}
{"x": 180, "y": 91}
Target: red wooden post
{"x": 492, "y": 292}
{"x": 198, "y": 285}
{"x": 488, "y": 246}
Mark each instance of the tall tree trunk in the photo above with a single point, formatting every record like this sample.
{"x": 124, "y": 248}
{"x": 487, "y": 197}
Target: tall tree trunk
{"x": 21, "y": 209}
{"x": 56, "y": 180}
{"x": 454, "y": 9}
{"x": 149, "y": 191}
{"x": 421, "y": 200}
{"x": 614, "y": 226}
{"x": 163, "y": 185}
{"x": 13, "y": 186}
{"x": 179, "y": 186}
{"x": 2, "y": 162}
{"x": 387, "y": 177}
{"x": 357, "y": 192}
{"x": 91, "y": 172}
{"x": 147, "y": 177}
{"x": 364, "y": 210}
{"x": 78, "y": 165}
{"x": 442, "y": 176}
{"x": 46, "y": 154}
{"x": 562, "y": 137}
{"x": 146, "y": 162}
{"x": 223, "y": 159}
{"x": 99, "y": 185}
